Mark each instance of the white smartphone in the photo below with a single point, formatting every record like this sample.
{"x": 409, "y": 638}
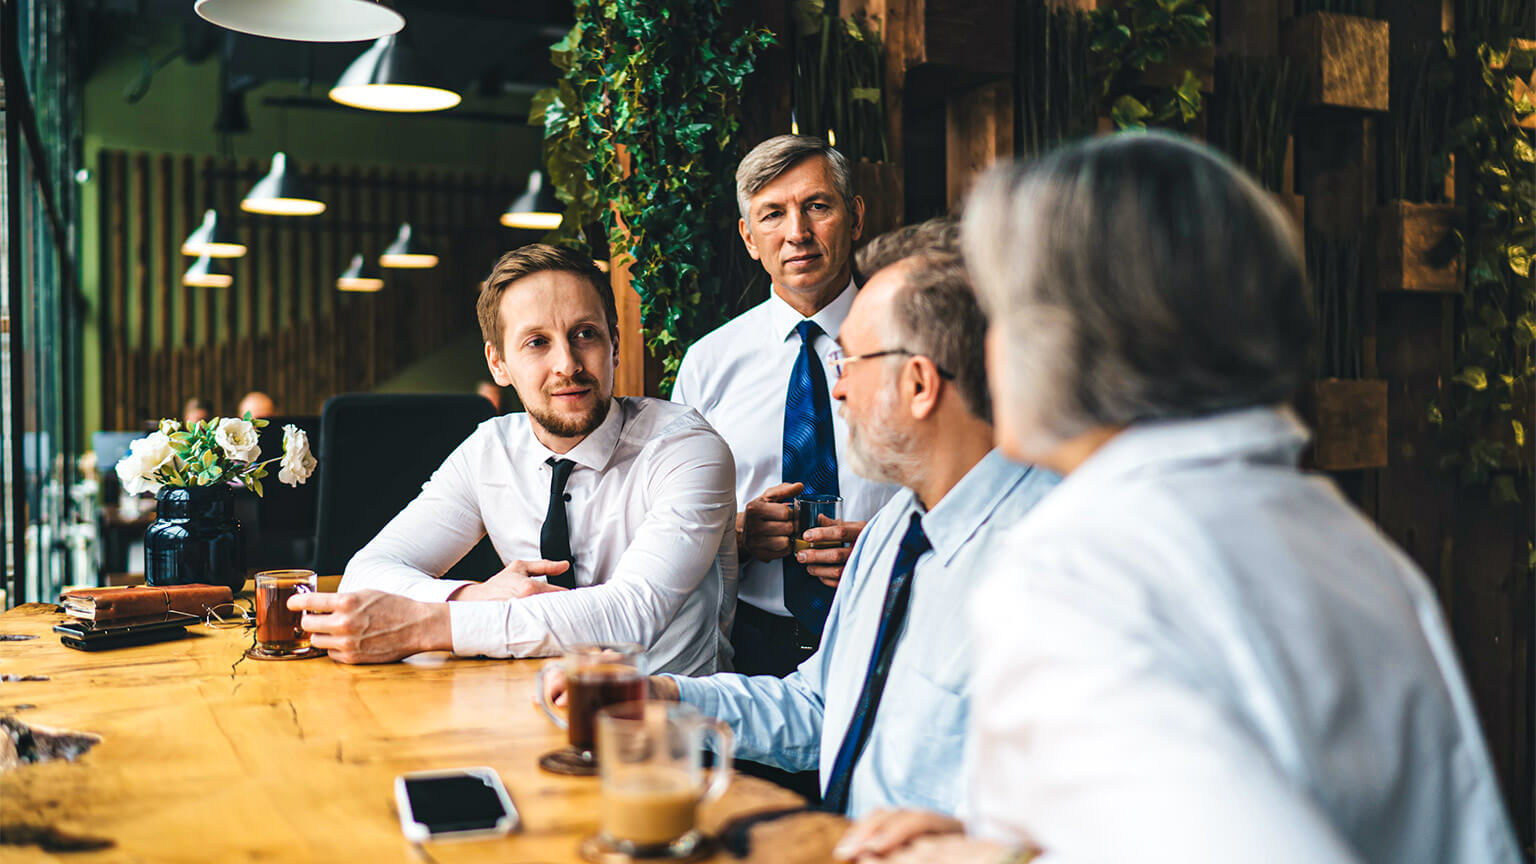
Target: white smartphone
{"x": 449, "y": 805}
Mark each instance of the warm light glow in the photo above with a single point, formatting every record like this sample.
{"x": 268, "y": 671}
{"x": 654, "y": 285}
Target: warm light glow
{"x": 395, "y": 97}
{"x": 283, "y": 206}
{"x": 408, "y": 261}
{"x": 304, "y": 20}
{"x": 602, "y": 264}
{"x": 352, "y": 283}
{"x": 831, "y": 138}
{"x": 212, "y": 250}
{"x": 794, "y": 126}
{"x": 535, "y": 221}
{"x": 208, "y": 280}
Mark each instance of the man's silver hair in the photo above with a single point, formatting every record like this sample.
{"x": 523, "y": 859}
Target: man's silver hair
{"x": 1134, "y": 277}
{"x": 773, "y": 157}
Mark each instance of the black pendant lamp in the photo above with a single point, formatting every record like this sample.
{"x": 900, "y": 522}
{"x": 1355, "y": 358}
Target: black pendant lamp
{"x": 304, "y": 20}
{"x": 536, "y": 208}
{"x": 391, "y": 76}
{"x": 406, "y": 252}
{"x": 282, "y": 192}
{"x": 214, "y": 238}
{"x": 208, "y": 272}
{"x": 359, "y": 277}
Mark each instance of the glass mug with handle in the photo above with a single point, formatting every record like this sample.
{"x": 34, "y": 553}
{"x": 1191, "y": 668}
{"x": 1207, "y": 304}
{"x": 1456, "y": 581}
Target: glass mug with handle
{"x": 653, "y": 778}
{"x": 808, "y": 512}
{"x": 596, "y": 675}
{"x": 279, "y": 630}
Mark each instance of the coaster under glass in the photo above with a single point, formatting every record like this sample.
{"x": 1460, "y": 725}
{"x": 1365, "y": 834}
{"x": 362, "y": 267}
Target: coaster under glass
{"x": 692, "y": 846}
{"x": 570, "y": 762}
{"x": 256, "y": 653}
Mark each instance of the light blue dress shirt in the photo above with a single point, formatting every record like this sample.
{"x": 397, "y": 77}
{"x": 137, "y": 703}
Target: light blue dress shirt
{"x": 914, "y": 754}
{"x": 1193, "y": 653}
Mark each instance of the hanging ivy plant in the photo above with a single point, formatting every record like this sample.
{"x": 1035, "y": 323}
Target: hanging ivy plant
{"x": 1490, "y": 394}
{"x": 641, "y": 134}
{"x": 1155, "y": 31}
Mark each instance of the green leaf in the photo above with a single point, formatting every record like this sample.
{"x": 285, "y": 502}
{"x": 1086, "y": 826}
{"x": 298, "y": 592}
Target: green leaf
{"x": 1520, "y": 260}
{"x": 1474, "y": 377}
{"x": 1523, "y": 150}
{"x": 1519, "y": 431}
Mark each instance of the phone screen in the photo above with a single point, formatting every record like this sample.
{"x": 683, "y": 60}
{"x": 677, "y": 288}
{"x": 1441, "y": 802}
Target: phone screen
{"x": 460, "y": 803}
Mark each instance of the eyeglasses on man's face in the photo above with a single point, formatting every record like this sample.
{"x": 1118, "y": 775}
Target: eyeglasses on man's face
{"x": 841, "y": 360}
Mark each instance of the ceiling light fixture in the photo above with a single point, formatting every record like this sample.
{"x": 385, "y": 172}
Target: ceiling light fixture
{"x": 213, "y": 238}
{"x": 406, "y": 253}
{"x": 282, "y": 192}
{"x": 207, "y": 272}
{"x": 390, "y": 76}
{"x": 359, "y": 277}
{"x": 536, "y": 208}
{"x": 304, "y": 20}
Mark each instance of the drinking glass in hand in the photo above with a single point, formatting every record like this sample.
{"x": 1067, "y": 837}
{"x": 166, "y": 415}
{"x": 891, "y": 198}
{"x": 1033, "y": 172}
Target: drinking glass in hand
{"x": 279, "y": 630}
{"x": 653, "y": 777}
{"x": 808, "y": 512}
{"x": 596, "y": 676}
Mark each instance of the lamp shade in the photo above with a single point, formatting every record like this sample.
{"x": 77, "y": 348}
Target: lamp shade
{"x": 213, "y": 238}
{"x": 304, "y": 20}
{"x": 407, "y": 253}
{"x": 208, "y": 272}
{"x": 536, "y": 208}
{"x": 359, "y": 276}
{"x": 390, "y": 76}
{"x": 282, "y": 192}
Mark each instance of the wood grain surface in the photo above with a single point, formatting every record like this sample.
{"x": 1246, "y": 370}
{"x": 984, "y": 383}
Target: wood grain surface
{"x": 205, "y": 756}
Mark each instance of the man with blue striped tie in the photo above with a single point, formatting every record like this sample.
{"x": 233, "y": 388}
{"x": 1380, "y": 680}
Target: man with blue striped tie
{"x": 881, "y": 707}
{"x": 762, "y": 380}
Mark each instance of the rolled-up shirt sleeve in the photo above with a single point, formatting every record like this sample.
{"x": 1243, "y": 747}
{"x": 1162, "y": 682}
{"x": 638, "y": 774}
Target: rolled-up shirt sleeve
{"x": 690, "y": 505}
{"x": 428, "y": 537}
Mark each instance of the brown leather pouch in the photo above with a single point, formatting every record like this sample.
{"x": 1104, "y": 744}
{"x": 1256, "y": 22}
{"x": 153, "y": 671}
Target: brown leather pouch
{"x": 112, "y": 604}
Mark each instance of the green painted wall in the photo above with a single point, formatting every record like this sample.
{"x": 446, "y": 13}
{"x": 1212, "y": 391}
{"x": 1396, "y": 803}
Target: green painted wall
{"x": 176, "y": 116}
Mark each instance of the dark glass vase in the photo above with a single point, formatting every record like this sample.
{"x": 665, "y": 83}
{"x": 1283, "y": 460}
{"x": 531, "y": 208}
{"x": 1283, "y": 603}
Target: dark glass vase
{"x": 195, "y": 538}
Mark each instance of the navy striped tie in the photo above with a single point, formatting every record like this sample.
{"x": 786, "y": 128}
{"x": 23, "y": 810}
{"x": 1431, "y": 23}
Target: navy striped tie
{"x": 893, "y": 619}
{"x": 810, "y": 457}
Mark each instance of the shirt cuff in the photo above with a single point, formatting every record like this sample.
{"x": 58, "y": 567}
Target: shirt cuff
{"x": 436, "y": 590}
{"x": 698, "y": 692}
{"x": 479, "y": 627}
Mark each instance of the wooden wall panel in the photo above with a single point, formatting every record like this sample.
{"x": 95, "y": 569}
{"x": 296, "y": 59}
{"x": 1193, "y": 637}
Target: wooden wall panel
{"x": 281, "y": 326}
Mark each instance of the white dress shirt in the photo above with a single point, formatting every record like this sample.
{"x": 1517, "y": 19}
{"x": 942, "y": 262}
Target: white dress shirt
{"x": 915, "y": 748}
{"x": 738, "y": 377}
{"x": 653, "y": 530}
{"x": 1194, "y": 652}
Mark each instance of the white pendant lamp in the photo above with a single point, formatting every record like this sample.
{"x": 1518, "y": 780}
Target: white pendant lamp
{"x": 213, "y": 238}
{"x": 282, "y": 192}
{"x": 304, "y": 20}
{"x": 208, "y": 272}
{"x": 390, "y": 76}
{"x": 359, "y": 277}
{"x": 536, "y": 208}
{"x": 407, "y": 253}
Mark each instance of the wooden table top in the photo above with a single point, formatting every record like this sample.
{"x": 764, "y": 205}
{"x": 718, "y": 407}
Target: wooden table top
{"x": 205, "y": 758}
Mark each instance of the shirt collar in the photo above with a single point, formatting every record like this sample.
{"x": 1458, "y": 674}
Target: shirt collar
{"x": 968, "y": 505}
{"x": 829, "y": 318}
{"x": 596, "y": 449}
{"x": 1263, "y": 435}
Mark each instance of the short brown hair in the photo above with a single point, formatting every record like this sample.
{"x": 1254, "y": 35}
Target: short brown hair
{"x": 531, "y": 259}
{"x": 767, "y": 161}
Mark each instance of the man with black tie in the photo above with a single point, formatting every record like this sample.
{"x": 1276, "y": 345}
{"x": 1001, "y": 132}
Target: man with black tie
{"x": 763, "y": 380}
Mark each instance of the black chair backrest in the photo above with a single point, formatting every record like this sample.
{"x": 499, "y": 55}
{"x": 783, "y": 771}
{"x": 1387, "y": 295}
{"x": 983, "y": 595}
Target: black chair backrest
{"x": 280, "y": 526}
{"x": 376, "y": 450}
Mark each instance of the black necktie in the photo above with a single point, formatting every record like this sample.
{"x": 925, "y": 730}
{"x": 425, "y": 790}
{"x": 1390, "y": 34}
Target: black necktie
{"x": 555, "y": 536}
{"x": 893, "y": 617}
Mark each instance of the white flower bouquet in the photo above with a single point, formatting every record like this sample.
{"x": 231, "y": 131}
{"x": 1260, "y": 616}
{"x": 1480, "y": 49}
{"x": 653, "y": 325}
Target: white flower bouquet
{"x": 210, "y": 452}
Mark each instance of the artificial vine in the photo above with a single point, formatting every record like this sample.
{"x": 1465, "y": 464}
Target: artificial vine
{"x": 1485, "y": 410}
{"x": 641, "y": 133}
{"x": 1156, "y": 30}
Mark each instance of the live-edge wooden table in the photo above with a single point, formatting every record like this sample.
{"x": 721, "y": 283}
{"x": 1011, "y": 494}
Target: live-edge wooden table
{"x": 203, "y": 758}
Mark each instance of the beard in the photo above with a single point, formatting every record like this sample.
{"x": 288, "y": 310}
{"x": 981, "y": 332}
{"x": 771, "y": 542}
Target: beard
{"x": 879, "y": 452}
{"x": 566, "y": 426}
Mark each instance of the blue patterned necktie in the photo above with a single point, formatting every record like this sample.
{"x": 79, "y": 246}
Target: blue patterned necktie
{"x": 810, "y": 457}
{"x": 893, "y": 617}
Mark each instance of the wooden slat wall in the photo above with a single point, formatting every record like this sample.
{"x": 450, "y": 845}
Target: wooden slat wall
{"x": 281, "y": 327}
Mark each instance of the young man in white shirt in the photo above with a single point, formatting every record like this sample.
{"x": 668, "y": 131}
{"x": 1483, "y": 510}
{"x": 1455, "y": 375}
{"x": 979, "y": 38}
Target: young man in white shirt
{"x": 765, "y": 378}
{"x": 629, "y": 501}
{"x": 1192, "y": 652}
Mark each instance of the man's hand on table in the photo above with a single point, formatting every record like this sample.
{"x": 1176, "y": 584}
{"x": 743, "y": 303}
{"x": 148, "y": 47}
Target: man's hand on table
{"x": 827, "y": 564}
{"x": 514, "y": 582}
{"x": 913, "y": 837}
{"x": 766, "y": 529}
{"x": 372, "y": 626}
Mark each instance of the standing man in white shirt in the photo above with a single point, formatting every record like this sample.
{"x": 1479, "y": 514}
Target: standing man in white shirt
{"x": 629, "y": 501}
{"x": 1191, "y": 652}
{"x": 764, "y": 380}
